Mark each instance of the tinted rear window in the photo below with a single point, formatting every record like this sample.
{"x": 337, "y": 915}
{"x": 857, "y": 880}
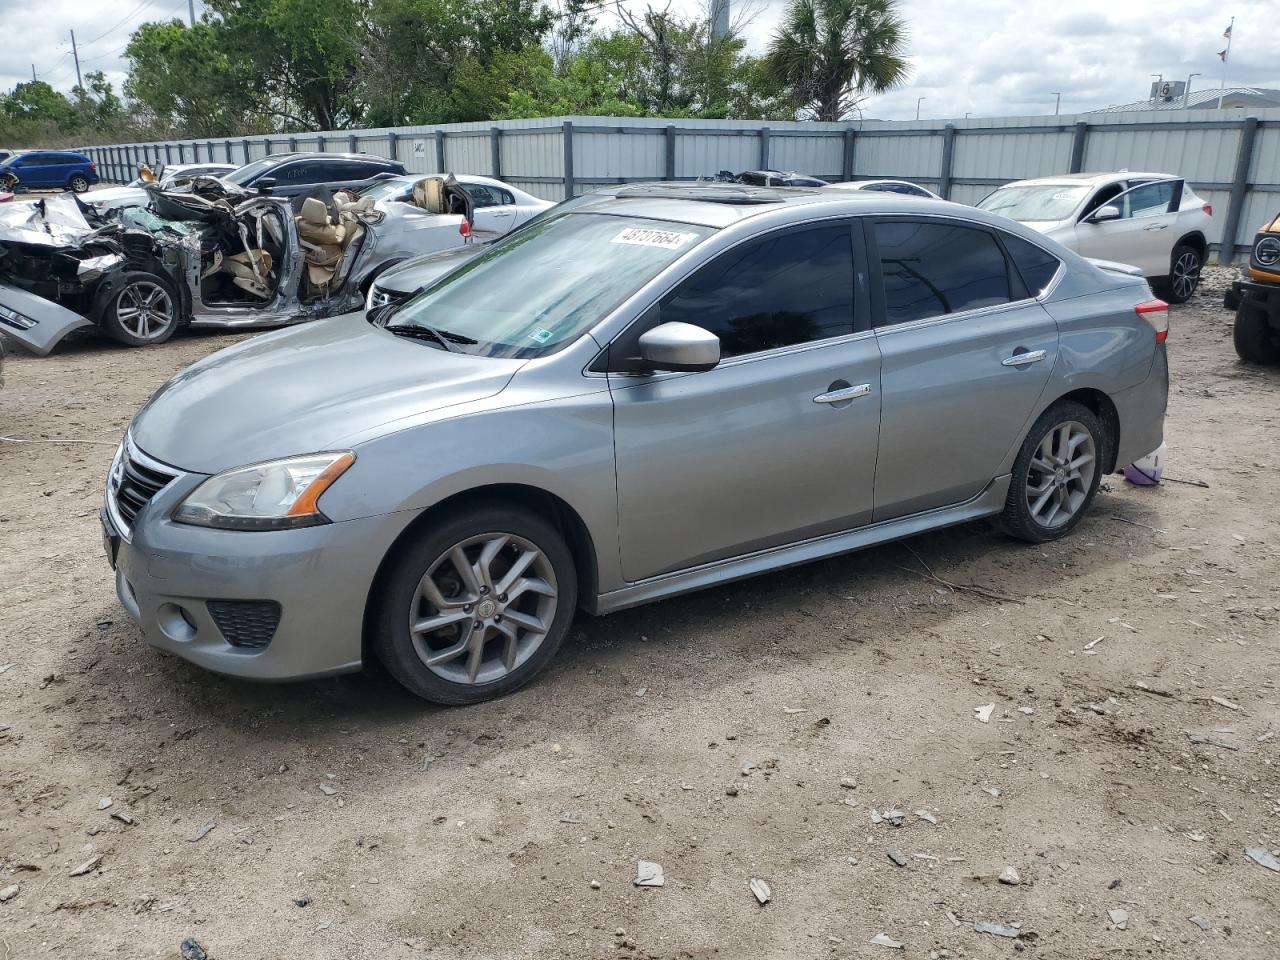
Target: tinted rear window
{"x": 932, "y": 268}
{"x": 1037, "y": 266}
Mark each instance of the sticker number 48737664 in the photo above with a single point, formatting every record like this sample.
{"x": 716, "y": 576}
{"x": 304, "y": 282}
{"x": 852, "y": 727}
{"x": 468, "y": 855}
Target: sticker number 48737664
{"x": 647, "y": 237}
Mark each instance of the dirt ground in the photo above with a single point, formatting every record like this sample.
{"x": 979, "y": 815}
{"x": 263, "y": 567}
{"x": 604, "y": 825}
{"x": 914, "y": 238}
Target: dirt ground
{"x": 744, "y": 732}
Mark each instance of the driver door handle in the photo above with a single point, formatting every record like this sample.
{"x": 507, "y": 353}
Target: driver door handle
{"x": 844, "y": 394}
{"x": 1156, "y": 226}
{"x": 1021, "y": 359}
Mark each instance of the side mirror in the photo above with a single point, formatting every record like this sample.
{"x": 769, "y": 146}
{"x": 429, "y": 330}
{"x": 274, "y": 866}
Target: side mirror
{"x": 680, "y": 347}
{"x": 265, "y": 184}
{"x": 1104, "y": 213}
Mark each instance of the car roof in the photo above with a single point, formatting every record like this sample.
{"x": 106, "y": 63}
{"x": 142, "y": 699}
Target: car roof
{"x": 323, "y": 155}
{"x": 712, "y": 204}
{"x": 1090, "y": 179}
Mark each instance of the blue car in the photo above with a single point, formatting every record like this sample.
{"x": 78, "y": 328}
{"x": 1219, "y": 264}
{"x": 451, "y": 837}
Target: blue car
{"x": 50, "y": 170}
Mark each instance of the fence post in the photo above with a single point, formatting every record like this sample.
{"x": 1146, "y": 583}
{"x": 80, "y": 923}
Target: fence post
{"x": 320, "y": 143}
{"x": 1239, "y": 187}
{"x": 293, "y": 144}
{"x": 168, "y": 154}
{"x": 266, "y": 145}
{"x": 566, "y": 140}
{"x": 764, "y": 148}
{"x": 850, "y": 141}
{"x": 244, "y": 146}
{"x": 948, "y": 155}
{"x": 351, "y": 143}
{"x": 670, "y": 173}
{"x": 392, "y": 139}
{"x": 440, "y": 135}
{"x": 495, "y": 151}
{"x": 1078, "y": 139}
{"x": 226, "y": 146}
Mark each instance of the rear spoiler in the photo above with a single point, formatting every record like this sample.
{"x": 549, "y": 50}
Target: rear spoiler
{"x": 1112, "y": 267}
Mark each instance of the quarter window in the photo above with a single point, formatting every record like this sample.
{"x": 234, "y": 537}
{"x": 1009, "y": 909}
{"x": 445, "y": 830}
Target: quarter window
{"x": 932, "y": 268}
{"x": 1149, "y": 200}
{"x": 1037, "y": 266}
{"x": 787, "y": 288}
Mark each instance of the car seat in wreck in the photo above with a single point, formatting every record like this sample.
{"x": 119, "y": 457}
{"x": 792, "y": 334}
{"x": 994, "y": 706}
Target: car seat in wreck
{"x": 328, "y": 234}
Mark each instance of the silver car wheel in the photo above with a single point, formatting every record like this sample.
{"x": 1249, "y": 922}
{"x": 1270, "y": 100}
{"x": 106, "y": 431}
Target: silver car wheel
{"x": 1186, "y": 275}
{"x": 145, "y": 309}
{"x": 483, "y": 608}
{"x": 1060, "y": 474}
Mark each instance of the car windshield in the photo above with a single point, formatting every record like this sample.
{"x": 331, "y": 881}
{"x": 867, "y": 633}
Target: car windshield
{"x": 242, "y": 175}
{"x": 386, "y": 189}
{"x": 1033, "y": 203}
{"x": 548, "y": 283}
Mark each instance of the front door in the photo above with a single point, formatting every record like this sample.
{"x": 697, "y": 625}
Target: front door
{"x": 967, "y": 353}
{"x": 1143, "y": 236}
{"x": 778, "y": 442}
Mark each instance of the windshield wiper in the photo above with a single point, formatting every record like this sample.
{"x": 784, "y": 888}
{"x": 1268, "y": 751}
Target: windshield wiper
{"x": 447, "y": 339}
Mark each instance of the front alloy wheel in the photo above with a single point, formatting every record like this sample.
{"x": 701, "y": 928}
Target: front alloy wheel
{"x": 475, "y": 605}
{"x": 142, "y": 311}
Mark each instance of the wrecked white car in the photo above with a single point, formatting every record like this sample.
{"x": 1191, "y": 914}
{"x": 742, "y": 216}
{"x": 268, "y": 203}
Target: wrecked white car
{"x": 206, "y": 254}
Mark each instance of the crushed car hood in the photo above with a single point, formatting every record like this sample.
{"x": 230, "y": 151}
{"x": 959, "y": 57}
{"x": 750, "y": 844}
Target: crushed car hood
{"x": 55, "y": 221}
{"x": 305, "y": 389}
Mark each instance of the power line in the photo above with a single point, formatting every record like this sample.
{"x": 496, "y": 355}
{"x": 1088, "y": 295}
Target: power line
{"x": 127, "y": 17}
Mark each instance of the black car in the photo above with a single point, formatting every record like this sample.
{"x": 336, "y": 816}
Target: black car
{"x": 298, "y": 174}
{"x": 778, "y": 178}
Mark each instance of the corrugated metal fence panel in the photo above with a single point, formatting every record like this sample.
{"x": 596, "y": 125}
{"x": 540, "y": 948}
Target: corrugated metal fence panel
{"x": 1259, "y": 208}
{"x": 533, "y": 155}
{"x": 377, "y": 145}
{"x": 1204, "y": 156}
{"x": 619, "y": 156}
{"x": 969, "y": 193}
{"x": 703, "y": 155}
{"x": 820, "y": 156}
{"x": 915, "y": 158}
{"x": 467, "y": 155}
{"x": 1015, "y": 155}
{"x": 539, "y": 188}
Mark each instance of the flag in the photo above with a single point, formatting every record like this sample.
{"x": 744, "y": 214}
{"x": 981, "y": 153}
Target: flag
{"x": 1227, "y": 33}
{"x": 1222, "y": 55}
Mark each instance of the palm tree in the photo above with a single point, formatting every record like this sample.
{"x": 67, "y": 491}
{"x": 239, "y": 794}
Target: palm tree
{"x": 830, "y": 53}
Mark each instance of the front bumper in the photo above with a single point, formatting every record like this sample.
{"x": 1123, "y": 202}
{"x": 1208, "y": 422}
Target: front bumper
{"x": 320, "y": 577}
{"x": 1265, "y": 295}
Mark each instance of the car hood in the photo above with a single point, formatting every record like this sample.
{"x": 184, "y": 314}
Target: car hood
{"x": 305, "y": 389}
{"x": 114, "y": 196}
{"x": 1050, "y": 228}
{"x": 412, "y": 275}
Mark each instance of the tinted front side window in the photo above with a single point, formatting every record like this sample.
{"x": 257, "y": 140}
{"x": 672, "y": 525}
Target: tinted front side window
{"x": 1036, "y": 266}
{"x": 933, "y": 268}
{"x": 787, "y": 288}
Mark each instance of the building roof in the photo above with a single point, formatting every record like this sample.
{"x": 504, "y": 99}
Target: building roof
{"x": 1203, "y": 99}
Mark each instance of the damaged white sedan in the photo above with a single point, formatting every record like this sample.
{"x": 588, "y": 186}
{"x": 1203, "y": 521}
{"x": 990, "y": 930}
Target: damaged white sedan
{"x": 207, "y": 254}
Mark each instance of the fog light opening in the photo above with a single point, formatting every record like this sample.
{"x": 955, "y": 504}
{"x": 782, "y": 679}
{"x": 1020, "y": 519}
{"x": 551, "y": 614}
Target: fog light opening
{"x": 176, "y": 623}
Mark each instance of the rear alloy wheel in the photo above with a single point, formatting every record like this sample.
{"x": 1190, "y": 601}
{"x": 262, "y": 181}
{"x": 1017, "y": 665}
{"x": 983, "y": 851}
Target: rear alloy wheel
{"x": 78, "y": 184}
{"x": 143, "y": 311}
{"x": 475, "y": 609}
{"x": 1184, "y": 274}
{"x": 1255, "y": 339}
{"x": 1056, "y": 474}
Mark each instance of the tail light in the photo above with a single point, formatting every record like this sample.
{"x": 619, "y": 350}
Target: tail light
{"x": 464, "y": 228}
{"x": 92, "y": 165}
{"x": 1208, "y": 209}
{"x": 1156, "y": 313}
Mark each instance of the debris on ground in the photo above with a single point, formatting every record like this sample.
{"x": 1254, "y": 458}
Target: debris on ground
{"x": 1263, "y": 857}
{"x": 9, "y": 892}
{"x": 761, "y": 891}
{"x": 1209, "y": 740}
{"x": 202, "y": 832}
{"x": 123, "y": 816}
{"x": 1200, "y": 922}
{"x": 328, "y": 790}
{"x": 191, "y": 950}
{"x": 1009, "y": 876}
{"x": 896, "y": 856}
{"x": 649, "y": 874}
{"x": 884, "y": 940}
{"x": 1224, "y": 702}
{"x": 927, "y": 816}
{"x": 88, "y": 866}
{"x": 1119, "y": 919}
{"x": 104, "y": 803}
{"x": 983, "y": 713}
{"x": 996, "y": 929}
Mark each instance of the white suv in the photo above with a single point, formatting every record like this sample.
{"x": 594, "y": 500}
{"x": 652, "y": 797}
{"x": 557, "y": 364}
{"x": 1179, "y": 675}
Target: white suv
{"x": 1153, "y": 221}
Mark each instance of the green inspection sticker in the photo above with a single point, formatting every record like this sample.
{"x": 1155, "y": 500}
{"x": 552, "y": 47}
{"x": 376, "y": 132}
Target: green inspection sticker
{"x": 541, "y": 336}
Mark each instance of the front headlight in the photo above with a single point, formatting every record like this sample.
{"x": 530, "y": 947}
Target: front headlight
{"x": 277, "y": 495}
{"x": 1267, "y": 251}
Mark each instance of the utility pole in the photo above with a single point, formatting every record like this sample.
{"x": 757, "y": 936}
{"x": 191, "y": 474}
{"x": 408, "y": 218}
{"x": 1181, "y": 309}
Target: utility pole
{"x": 1057, "y": 104}
{"x": 1225, "y": 55}
{"x": 1186, "y": 93}
{"x": 75, "y": 54}
{"x": 33, "y": 73}
{"x": 919, "y": 100}
{"x": 191, "y": 11}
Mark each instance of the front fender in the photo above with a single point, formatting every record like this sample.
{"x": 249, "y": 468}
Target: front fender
{"x": 34, "y": 322}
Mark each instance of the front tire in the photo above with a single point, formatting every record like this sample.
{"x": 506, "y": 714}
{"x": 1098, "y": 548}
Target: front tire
{"x": 477, "y": 606}
{"x": 1185, "y": 265}
{"x": 1255, "y": 339}
{"x": 1056, "y": 474}
{"x": 143, "y": 311}
{"x": 78, "y": 184}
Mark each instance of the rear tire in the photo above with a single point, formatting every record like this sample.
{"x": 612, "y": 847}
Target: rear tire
{"x": 1180, "y": 285}
{"x": 1053, "y": 485}
{"x": 491, "y": 590}
{"x": 143, "y": 311}
{"x": 78, "y": 184}
{"x": 1255, "y": 339}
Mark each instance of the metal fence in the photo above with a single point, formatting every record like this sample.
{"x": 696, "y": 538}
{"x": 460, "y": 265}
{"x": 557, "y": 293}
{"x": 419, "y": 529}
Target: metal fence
{"x": 1232, "y": 161}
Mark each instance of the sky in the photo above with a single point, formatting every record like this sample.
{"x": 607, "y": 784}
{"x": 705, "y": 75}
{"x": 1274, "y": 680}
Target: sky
{"x": 988, "y": 58}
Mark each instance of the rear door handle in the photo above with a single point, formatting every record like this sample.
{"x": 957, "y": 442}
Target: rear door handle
{"x": 1022, "y": 359}
{"x": 844, "y": 394}
{"x": 1156, "y": 226}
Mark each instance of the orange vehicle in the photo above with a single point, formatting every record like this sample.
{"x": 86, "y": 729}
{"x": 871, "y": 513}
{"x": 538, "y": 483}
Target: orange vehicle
{"x": 1255, "y": 297}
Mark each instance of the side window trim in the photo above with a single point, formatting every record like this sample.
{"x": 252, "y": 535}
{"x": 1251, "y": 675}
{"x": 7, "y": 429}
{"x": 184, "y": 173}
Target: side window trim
{"x": 1178, "y": 184}
{"x": 878, "y": 314}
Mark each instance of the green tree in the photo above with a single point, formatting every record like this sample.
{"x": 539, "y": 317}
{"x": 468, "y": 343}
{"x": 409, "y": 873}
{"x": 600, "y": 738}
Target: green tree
{"x": 831, "y": 53}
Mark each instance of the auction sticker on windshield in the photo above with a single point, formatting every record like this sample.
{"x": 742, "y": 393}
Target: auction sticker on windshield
{"x": 648, "y": 237}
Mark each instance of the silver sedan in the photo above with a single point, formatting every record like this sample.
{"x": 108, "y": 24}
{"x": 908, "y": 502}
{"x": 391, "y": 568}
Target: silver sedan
{"x": 659, "y": 389}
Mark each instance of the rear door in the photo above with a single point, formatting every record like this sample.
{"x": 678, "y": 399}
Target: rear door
{"x": 778, "y": 442}
{"x": 1144, "y": 235}
{"x": 495, "y": 208}
{"x": 967, "y": 351}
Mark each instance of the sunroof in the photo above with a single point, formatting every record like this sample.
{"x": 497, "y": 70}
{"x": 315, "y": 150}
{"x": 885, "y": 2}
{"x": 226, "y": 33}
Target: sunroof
{"x": 732, "y": 193}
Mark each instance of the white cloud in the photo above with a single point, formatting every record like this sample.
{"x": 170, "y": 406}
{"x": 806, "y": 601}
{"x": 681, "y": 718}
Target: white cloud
{"x": 985, "y": 57}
